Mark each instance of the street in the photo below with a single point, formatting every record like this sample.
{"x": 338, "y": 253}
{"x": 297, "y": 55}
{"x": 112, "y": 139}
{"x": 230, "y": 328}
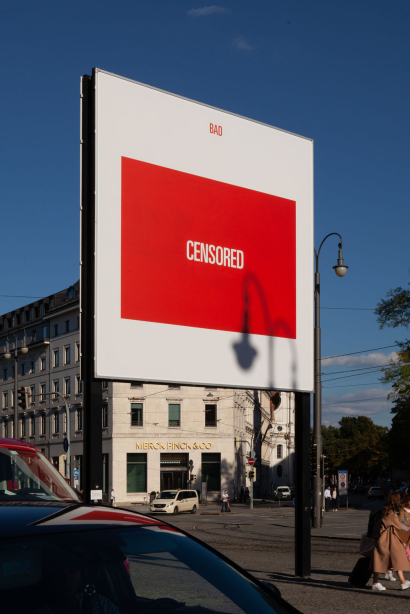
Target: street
{"x": 262, "y": 542}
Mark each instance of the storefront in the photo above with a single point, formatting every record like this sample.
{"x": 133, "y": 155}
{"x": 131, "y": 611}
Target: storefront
{"x": 144, "y": 466}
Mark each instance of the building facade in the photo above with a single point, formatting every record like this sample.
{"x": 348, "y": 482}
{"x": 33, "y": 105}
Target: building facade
{"x": 154, "y": 436}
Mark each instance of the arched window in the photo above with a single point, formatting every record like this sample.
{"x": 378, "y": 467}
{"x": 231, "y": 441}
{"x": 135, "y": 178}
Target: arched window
{"x": 71, "y": 293}
{"x": 279, "y": 451}
{"x": 279, "y": 471}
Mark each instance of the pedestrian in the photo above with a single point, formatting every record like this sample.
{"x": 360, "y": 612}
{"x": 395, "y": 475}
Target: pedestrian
{"x": 242, "y": 495}
{"x": 246, "y": 494}
{"x": 335, "y": 500}
{"x": 328, "y": 496}
{"x": 112, "y": 498}
{"x": 389, "y": 551}
{"x": 225, "y": 499}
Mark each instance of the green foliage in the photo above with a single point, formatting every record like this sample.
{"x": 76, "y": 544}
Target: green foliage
{"x": 359, "y": 445}
{"x": 394, "y": 312}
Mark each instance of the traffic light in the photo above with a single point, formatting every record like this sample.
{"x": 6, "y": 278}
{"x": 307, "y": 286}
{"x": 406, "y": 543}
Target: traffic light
{"x": 23, "y": 398}
{"x": 325, "y": 465}
{"x": 313, "y": 460}
{"x": 251, "y": 474}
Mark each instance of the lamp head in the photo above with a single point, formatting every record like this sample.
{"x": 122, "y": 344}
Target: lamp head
{"x": 7, "y": 355}
{"x": 341, "y": 268}
{"x": 24, "y": 349}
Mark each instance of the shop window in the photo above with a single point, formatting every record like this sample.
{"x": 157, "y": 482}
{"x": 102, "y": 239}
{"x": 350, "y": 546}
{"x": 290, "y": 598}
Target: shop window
{"x": 211, "y": 470}
{"x": 279, "y": 451}
{"x": 136, "y": 473}
{"x": 174, "y": 414}
{"x": 105, "y": 473}
{"x": 279, "y": 471}
{"x": 210, "y": 415}
{"x": 136, "y": 414}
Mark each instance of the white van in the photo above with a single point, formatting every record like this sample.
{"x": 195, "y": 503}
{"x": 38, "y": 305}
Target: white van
{"x": 175, "y": 501}
{"x": 283, "y": 493}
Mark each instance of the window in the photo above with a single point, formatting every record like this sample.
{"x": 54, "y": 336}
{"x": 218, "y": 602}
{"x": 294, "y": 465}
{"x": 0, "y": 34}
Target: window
{"x": 43, "y": 389}
{"x": 41, "y": 309}
{"x": 211, "y": 470}
{"x": 71, "y": 294}
{"x": 279, "y": 471}
{"x": 79, "y": 419}
{"x": 279, "y": 451}
{"x": 43, "y": 423}
{"x": 105, "y": 473}
{"x": 22, "y": 317}
{"x": 105, "y": 384}
{"x": 136, "y": 414}
{"x": 13, "y": 320}
{"x": 210, "y": 415}
{"x": 6, "y": 428}
{"x": 136, "y": 384}
{"x": 51, "y": 303}
{"x": 67, "y": 326}
{"x": 77, "y": 352}
{"x": 43, "y": 364}
{"x": 174, "y": 414}
{"x": 31, "y": 313}
{"x": 105, "y": 415}
{"x": 55, "y": 330}
{"x": 23, "y": 368}
{"x": 56, "y": 387}
{"x": 4, "y": 323}
{"x": 5, "y": 399}
{"x": 136, "y": 473}
{"x": 32, "y": 425}
{"x": 174, "y": 386}
{"x": 67, "y": 355}
{"x": 33, "y": 366}
{"x": 56, "y": 358}
{"x": 56, "y": 461}
{"x": 79, "y": 384}
{"x": 23, "y": 426}
{"x": 45, "y": 332}
{"x": 32, "y": 393}
{"x": 12, "y": 372}
{"x": 5, "y": 373}
{"x": 33, "y": 336}
{"x": 67, "y": 386}
{"x": 56, "y": 422}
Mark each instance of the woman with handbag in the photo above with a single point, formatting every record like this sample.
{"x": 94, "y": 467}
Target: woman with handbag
{"x": 389, "y": 551}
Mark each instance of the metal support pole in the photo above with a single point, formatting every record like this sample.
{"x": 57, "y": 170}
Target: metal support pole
{"x": 317, "y": 414}
{"x": 16, "y": 391}
{"x": 92, "y": 388}
{"x": 302, "y": 482}
{"x": 251, "y": 496}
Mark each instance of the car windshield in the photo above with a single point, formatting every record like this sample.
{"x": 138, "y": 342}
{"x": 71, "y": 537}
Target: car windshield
{"x": 26, "y": 475}
{"x": 138, "y": 570}
{"x": 167, "y": 494}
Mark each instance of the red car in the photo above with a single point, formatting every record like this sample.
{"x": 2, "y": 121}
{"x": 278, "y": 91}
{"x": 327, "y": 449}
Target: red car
{"x": 27, "y": 475}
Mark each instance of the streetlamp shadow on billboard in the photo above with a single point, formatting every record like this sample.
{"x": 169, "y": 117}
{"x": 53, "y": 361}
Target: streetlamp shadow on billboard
{"x": 244, "y": 351}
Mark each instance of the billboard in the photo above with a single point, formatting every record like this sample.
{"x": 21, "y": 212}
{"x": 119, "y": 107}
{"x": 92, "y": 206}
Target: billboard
{"x": 204, "y": 244}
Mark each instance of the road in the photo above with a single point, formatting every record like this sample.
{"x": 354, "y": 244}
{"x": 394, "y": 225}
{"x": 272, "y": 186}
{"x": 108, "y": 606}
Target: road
{"x": 262, "y": 541}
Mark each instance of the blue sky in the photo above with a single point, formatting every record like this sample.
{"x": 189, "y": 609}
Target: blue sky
{"x": 333, "y": 71}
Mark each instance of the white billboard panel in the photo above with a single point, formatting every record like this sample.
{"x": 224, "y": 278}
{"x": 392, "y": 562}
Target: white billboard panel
{"x": 204, "y": 244}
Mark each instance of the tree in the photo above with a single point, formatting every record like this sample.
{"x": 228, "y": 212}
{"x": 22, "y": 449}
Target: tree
{"x": 394, "y": 312}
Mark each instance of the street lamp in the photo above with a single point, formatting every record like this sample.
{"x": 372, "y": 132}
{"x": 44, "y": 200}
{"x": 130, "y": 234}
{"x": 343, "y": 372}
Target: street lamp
{"x": 340, "y": 269}
{"x": 7, "y": 356}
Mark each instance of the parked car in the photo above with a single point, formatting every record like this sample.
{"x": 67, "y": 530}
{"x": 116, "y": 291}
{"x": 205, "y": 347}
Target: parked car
{"x": 366, "y": 488}
{"x": 175, "y": 501}
{"x": 27, "y": 475}
{"x": 282, "y": 493}
{"x": 376, "y": 492}
{"x": 358, "y": 489}
{"x": 103, "y": 559}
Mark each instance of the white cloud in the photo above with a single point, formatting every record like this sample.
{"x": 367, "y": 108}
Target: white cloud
{"x": 367, "y": 360}
{"x": 207, "y": 10}
{"x": 241, "y": 43}
{"x": 373, "y": 403}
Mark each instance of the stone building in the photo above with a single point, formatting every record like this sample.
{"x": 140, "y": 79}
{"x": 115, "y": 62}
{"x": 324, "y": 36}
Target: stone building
{"x": 154, "y": 436}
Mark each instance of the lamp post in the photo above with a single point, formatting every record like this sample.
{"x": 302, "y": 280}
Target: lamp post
{"x": 7, "y": 356}
{"x": 340, "y": 269}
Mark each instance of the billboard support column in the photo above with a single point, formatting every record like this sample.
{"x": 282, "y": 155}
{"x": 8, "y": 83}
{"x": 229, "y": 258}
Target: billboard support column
{"x": 302, "y": 482}
{"x": 92, "y": 388}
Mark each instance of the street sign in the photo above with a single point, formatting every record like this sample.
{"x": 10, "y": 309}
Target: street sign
{"x": 342, "y": 482}
{"x": 251, "y": 462}
{"x": 175, "y": 173}
{"x": 65, "y": 445}
{"x": 76, "y": 474}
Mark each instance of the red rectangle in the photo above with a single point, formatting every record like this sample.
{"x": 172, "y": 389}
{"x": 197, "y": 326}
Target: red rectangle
{"x": 169, "y": 271}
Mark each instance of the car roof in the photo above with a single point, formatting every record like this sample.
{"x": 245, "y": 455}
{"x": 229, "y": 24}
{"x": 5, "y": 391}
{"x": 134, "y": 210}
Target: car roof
{"x": 24, "y": 519}
{"x": 16, "y": 444}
